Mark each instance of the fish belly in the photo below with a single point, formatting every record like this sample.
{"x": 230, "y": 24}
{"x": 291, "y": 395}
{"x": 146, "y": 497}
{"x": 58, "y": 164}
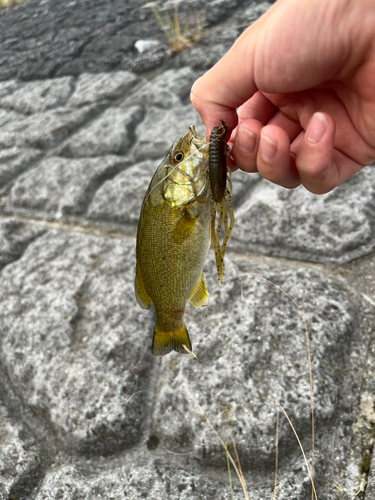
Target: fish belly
{"x": 171, "y": 251}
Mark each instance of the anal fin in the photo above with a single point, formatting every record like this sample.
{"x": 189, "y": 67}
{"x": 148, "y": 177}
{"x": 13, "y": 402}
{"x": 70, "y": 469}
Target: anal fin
{"x": 199, "y": 295}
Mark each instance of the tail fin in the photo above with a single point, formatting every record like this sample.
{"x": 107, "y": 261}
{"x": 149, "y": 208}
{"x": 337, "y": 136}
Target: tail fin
{"x": 165, "y": 342}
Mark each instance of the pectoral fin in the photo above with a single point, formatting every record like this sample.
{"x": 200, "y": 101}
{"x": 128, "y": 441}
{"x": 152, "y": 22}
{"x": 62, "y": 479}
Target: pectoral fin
{"x": 144, "y": 300}
{"x": 199, "y": 296}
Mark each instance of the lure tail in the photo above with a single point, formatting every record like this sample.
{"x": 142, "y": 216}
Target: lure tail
{"x": 165, "y": 342}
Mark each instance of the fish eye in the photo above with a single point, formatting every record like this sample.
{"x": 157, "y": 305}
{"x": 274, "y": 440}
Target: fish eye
{"x": 178, "y": 156}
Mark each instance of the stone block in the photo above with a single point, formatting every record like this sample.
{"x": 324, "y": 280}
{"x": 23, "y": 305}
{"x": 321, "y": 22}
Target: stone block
{"x": 166, "y": 90}
{"x": 73, "y": 342}
{"x": 251, "y": 349}
{"x": 15, "y": 161}
{"x": 111, "y": 133}
{"x": 36, "y": 97}
{"x": 20, "y": 461}
{"x": 136, "y": 479}
{"x": 61, "y": 187}
{"x": 296, "y": 224}
{"x": 9, "y": 116}
{"x": 242, "y": 185}
{"x": 14, "y": 239}
{"x": 43, "y": 130}
{"x": 119, "y": 200}
{"x": 160, "y": 128}
{"x": 8, "y": 87}
{"x": 101, "y": 87}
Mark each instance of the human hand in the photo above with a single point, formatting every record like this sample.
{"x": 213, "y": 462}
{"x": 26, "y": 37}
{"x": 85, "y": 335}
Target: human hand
{"x": 303, "y": 80}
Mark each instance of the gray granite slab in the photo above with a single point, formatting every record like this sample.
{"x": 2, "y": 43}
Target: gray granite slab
{"x": 38, "y": 96}
{"x": 165, "y": 90}
{"x": 251, "y": 353}
{"x": 61, "y": 187}
{"x": 370, "y": 487}
{"x": 200, "y": 58}
{"x": 8, "y": 87}
{"x": 110, "y": 133}
{"x": 72, "y": 341}
{"x": 14, "y": 239}
{"x": 85, "y": 411}
{"x": 160, "y": 128}
{"x": 13, "y": 162}
{"x": 154, "y": 479}
{"x": 43, "y": 130}
{"x": 119, "y": 200}
{"x": 83, "y": 327}
{"x": 334, "y": 227}
{"x": 364, "y": 427}
{"x": 242, "y": 185}
{"x": 101, "y": 87}
{"x": 9, "y": 116}
{"x": 20, "y": 462}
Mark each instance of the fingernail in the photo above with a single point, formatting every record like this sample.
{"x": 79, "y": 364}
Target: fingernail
{"x": 317, "y": 128}
{"x": 246, "y": 140}
{"x": 268, "y": 148}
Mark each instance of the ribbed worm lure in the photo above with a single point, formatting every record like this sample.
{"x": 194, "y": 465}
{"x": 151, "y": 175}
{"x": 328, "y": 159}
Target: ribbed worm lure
{"x": 221, "y": 192}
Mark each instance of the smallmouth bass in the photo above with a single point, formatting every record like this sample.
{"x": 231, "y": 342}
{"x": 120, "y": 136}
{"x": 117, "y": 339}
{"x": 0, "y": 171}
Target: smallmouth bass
{"x": 173, "y": 238}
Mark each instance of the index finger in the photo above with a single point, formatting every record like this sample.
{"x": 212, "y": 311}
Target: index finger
{"x": 229, "y": 83}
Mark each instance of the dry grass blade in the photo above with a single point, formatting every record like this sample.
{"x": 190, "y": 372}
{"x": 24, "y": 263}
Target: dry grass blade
{"x": 237, "y": 470}
{"x": 343, "y": 491}
{"x": 237, "y": 457}
{"x": 338, "y": 486}
{"x": 7, "y": 4}
{"x": 189, "y": 351}
{"x": 276, "y": 453}
{"x": 178, "y": 39}
{"x": 362, "y": 488}
{"x": 178, "y": 454}
{"x": 309, "y": 362}
{"x": 301, "y": 448}
{"x": 229, "y": 474}
{"x": 124, "y": 405}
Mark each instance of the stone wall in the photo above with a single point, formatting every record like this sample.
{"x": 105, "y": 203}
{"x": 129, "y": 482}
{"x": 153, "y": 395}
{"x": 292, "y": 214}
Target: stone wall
{"x": 85, "y": 411}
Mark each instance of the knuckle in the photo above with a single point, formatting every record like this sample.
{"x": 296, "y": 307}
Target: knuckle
{"x": 319, "y": 179}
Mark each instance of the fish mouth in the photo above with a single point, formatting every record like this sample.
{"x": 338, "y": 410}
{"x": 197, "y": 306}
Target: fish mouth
{"x": 196, "y": 137}
{"x": 194, "y": 132}
{"x": 199, "y": 144}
